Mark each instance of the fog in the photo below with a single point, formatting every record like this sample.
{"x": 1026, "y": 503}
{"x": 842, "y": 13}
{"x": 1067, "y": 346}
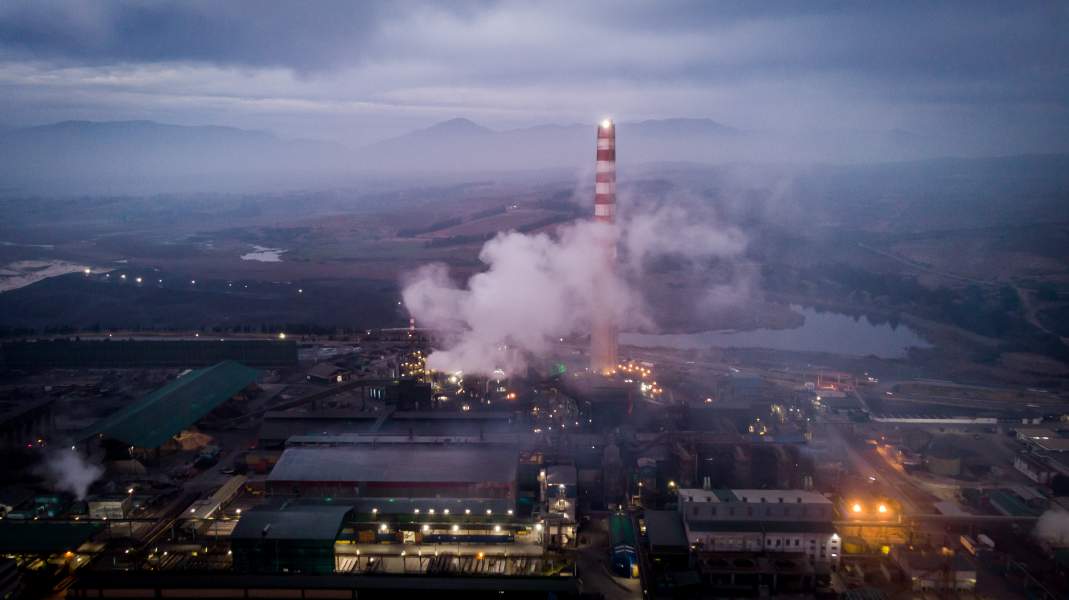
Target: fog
{"x": 141, "y": 157}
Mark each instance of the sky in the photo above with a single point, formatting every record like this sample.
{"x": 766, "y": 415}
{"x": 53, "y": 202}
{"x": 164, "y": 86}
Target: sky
{"x": 985, "y": 74}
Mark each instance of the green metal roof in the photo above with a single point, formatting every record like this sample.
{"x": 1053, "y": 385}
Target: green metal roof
{"x": 1010, "y": 504}
{"x": 621, "y": 531}
{"x": 151, "y": 421}
{"x": 292, "y": 522}
{"x": 35, "y": 537}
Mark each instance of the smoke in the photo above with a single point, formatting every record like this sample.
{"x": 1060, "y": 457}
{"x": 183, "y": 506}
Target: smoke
{"x": 1053, "y": 528}
{"x": 538, "y": 288}
{"x": 67, "y": 471}
{"x": 673, "y": 231}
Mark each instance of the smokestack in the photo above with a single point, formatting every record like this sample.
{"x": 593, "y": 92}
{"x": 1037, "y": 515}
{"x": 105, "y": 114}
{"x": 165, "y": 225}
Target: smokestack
{"x": 603, "y": 330}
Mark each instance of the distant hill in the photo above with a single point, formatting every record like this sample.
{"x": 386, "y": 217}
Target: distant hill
{"x": 100, "y": 155}
{"x": 465, "y": 145}
{"x": 144, "y": 157}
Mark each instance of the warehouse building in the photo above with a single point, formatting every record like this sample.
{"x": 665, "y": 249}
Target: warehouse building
{"x": 24, "y": 422}
{"x": 762, "y": 521}
{"x": 153, "y": 422}
{"x": 127, "y": 354}
{"x": 52, "y": 541}
{"x": 402, "y": 478}
{"x": 288, "y": 538}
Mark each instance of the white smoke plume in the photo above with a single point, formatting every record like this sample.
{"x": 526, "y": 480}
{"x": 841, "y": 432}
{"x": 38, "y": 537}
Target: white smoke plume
{"x": 1053, "y": 528}
{"x": 67, "y": 471}
{"x": 673, "y": 231}
{"x": 538, "y": 288}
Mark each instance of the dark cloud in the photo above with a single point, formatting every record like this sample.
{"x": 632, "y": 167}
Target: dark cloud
{"x": 992, "y": 69}
{"x": 240, "y": 32}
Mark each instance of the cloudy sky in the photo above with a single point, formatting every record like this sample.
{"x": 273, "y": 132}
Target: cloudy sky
{"x": 982, "y": 73}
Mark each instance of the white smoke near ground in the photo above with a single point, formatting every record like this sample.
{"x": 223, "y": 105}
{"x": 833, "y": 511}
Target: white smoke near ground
{"x": 1053, "y": 528}
{"x": 67, "y": 471}
{"x": 538, "y": 288}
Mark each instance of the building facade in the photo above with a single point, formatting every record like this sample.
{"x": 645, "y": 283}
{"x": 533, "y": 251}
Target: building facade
{"x": 790, "y": 521}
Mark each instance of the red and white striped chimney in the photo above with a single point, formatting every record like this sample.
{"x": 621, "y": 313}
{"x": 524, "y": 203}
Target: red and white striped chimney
{"x": 605, "y": 174}
{"x": 603, "y": 330}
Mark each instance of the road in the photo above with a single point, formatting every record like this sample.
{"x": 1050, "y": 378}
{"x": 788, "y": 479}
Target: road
{"x": 901, "y": 489}
{"x": 593, "y": 562}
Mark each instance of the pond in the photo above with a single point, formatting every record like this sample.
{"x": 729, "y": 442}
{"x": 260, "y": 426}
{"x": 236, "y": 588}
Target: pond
{"x": 822, "y": 331}
{"x": 263, "y": 254}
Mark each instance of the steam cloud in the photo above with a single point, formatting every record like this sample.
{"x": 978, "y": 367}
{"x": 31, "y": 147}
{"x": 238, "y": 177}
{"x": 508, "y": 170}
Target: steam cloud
{"x": 1053, "y": 528}
{"x": 538, "y": 288}
{"x": 67, "y": 471}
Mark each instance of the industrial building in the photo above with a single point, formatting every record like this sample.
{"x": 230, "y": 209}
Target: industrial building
{"x": 402, "y": 478}
{"x": 288, "y": 538}
{"x": 60, "y": 547}
{"x": 939, "y": 570}
{"x": 559, "y": 491}
{"x": 788, "y": 521}
{"x": 329, "y": 373}
{"x": 119, "y": 354}
{"x": 153, "y": 422}
{"x": 278, "y": 427}
{"x": 23, "y": 423}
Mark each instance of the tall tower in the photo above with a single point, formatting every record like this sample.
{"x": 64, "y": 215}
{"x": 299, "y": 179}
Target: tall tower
{"x": 603, "y": 330}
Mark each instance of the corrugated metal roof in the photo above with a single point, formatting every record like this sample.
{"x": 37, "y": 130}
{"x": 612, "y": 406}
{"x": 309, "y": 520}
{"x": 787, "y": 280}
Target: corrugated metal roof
{"x": 766, "y": 526}
{"x": 665, "y": 529}
{"x": 151, "y": 421}
{"x": 44, "y": 538}
{"x": 397, "y": 464}
{"x": 299, "y": 522}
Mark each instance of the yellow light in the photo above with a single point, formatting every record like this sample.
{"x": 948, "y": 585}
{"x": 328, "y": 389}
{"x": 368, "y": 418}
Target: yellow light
{"x": 856, "y": 507}
{"x": 882, "y": 508}
{"x": 606, "y": 124}
{"x": 281, "y": 336}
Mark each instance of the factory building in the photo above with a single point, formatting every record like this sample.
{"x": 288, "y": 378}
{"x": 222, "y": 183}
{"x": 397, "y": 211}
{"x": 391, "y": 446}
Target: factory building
{"x": 152, "y": 422}
{"x": 24, "y": 423}
{"x": 559, "y": 491}
{"x": 764, "y": 521}
{"x": 288, "y": 538}
{"x": 935, "y": 570}
{"x": 128, "y": 354}
{"x": 400, "y": 478}
{"x": 63, "y": 543}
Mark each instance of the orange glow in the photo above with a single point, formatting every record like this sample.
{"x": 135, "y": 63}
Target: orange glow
{"x": 856, "y": 507}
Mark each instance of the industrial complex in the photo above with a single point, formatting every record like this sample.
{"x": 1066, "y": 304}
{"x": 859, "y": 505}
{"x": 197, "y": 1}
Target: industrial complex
{"x": 342, "y": 467}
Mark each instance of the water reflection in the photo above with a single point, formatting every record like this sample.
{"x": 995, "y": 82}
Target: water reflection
{"x": 822, "y": 331}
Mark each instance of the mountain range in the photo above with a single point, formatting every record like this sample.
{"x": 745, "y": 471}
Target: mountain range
{"x": 145, "y": 156}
